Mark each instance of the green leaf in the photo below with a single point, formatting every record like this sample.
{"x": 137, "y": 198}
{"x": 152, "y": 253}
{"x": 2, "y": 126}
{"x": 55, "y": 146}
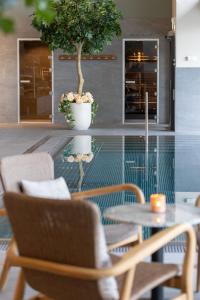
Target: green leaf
{"x": 6, "y": 24}
{"x": 29, "y": 2}
{"x": 44, "y": 10}
{"x": 94, "y": 22}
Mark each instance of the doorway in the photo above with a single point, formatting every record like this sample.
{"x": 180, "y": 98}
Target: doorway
{"x": 141, "y": 75}
{"x": 35, "y": 81}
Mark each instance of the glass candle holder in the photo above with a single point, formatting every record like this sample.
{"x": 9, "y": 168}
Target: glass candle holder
{"x": 158, "y": 203}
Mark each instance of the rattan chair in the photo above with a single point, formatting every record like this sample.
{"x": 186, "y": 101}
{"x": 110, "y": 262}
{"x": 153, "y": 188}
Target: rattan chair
{"x": 62, "y": 270}
{"x": 40, "y": 166}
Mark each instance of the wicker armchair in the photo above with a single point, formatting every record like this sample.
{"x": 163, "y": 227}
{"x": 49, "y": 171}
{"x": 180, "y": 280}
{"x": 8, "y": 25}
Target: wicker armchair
{"x": 40, "y": 166}
{"x": 61, "y": 270}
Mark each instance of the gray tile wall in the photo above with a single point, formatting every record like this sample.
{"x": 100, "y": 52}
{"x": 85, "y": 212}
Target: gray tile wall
{"x": 187, "y": 103}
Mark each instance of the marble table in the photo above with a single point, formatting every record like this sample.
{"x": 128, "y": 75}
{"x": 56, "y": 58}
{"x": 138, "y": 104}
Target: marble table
{"x": 141, "y": 214}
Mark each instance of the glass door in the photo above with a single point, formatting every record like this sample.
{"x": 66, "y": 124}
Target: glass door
{"x": 35, "y": 75}
{"x": 140, "y": 76}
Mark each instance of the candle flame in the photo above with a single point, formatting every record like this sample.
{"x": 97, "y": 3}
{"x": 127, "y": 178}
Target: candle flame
{"x": 158, "y": 204}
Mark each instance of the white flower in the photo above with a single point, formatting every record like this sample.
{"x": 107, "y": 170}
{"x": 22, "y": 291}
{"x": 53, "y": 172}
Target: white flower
{"x": 89, "y": 157}
{"x": 77, "y": 96}
{"x": 70, "y": 96}
{"x": 84, "y": 99}
{"x": 84, "y": 157}
{"x": 78, "y": 99}
{"x": 91, "y": 100}
{"x": 70, "y": 158}
{"x": 79, "y": 157}
{"x": 89, "y": 96}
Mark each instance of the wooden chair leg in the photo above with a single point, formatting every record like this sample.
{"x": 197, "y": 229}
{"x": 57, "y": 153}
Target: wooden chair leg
{"x": 4, "y": 273}
{"x": 198, "y": 271}
{"x": 6, "y": 265}
{"x": 20, "y": 287}
{"x": 190, "y": 293}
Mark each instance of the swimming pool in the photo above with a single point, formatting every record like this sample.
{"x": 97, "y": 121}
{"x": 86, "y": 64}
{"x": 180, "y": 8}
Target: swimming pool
{"x": 166, "y": 164}
{"x": 163, "y": 164}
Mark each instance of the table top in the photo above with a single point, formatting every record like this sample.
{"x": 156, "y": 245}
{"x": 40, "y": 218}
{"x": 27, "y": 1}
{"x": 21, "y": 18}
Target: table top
{"x": 141, "y": 214}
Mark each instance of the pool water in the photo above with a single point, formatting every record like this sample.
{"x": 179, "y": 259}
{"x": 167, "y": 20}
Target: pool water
{"x": 161, "y": 164}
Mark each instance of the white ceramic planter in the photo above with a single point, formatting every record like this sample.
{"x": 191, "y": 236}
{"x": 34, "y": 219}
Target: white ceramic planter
{"x": 81, "y": 115}
{"x": 82, "y": 144}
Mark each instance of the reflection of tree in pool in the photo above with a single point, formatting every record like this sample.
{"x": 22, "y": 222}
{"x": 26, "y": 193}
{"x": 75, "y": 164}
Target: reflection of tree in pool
{"x": 81, "y": 173}
{"x": 81, "y": 151}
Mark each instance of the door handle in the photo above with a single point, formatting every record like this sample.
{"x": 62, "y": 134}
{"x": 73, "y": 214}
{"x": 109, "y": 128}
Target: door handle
{"x": 130, "y": 81}
{"x": 25, "y": 81}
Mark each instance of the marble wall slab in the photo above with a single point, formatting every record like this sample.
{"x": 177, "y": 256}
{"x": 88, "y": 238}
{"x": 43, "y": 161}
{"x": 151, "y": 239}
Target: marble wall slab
{"x": 187, "y": 102}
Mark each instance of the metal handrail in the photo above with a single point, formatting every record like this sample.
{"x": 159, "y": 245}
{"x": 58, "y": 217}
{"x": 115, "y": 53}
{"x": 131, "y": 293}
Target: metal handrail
{"x": 146, "y": 135}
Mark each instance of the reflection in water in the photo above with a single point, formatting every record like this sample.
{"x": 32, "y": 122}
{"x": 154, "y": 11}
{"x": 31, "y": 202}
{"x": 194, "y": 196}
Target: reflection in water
{"x": 81, "y": 172}
{"x": 80, "y": 151}
{"x": 159, "y": 219}
{"x": 116, "y": 160}
{"x": 173, "y": 165}
{"x": 155, "y": 175}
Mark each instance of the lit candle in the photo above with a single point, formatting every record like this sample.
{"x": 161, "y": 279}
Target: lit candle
{"x": 158, "y": 203}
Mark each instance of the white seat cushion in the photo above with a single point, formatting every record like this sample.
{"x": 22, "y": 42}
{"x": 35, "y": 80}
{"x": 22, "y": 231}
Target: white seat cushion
{"x": 52, "y": 189}
{"x": 107, "y": 286}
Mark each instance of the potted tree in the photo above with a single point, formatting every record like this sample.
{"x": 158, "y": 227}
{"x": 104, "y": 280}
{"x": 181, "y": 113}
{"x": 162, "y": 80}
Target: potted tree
{"x": 80, "y": 26}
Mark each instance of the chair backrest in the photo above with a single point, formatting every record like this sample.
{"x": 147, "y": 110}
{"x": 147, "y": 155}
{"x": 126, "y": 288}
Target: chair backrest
{"x": 66, "y": 232}
{"x": 34, "y": 166}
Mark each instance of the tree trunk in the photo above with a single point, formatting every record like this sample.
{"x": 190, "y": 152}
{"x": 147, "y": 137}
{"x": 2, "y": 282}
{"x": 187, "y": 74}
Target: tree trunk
{"x": 79, "y": 70}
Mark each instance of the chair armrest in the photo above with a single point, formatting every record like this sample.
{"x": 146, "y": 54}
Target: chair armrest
{"x": 157, "y": 241}
{"x": 3, "y": 212}
{"x": 198, "y": 202}
{"x": 111, "y": 189}
{"x": 125, "y": 264}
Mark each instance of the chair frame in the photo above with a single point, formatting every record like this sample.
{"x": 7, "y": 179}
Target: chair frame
{"x": 83, "y": 195}
{"x": 126, "y": 265}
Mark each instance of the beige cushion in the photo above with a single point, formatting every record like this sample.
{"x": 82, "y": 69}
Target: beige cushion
{"x": 148, "y": 276}
{"x": 52, "y": 189}
{"x": 118, "y": 232}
